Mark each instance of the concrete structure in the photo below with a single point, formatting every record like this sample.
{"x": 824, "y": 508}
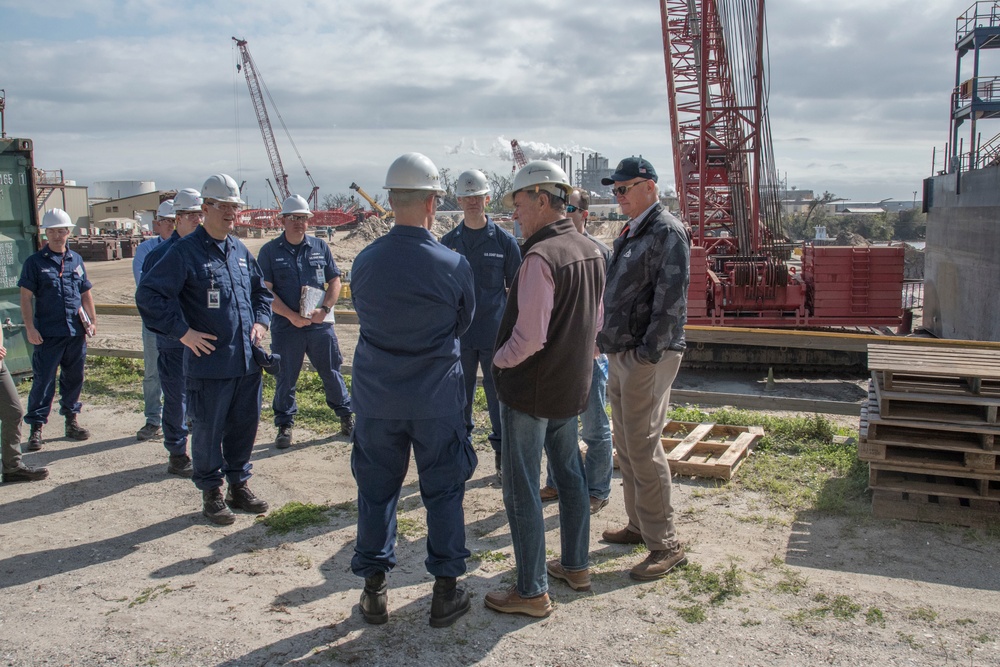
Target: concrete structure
{"x": 962, "y": 255}
{"x": 127, "y": 207}
{"x": 120, "y": 189}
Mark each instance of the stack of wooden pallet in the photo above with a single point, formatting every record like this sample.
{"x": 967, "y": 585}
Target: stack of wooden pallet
{"x": 930, "y": 434}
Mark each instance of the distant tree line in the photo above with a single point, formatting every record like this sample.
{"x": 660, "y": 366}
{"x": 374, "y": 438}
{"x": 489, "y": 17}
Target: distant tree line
{"x": 907, "y": 225}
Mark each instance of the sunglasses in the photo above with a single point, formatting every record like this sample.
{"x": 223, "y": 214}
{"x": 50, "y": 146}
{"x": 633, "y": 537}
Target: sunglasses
{"x": 622, "y": 190}
{"x": 573, "y": 209}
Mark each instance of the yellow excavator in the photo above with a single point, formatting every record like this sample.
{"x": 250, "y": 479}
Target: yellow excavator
{"x": 382, "y": 213}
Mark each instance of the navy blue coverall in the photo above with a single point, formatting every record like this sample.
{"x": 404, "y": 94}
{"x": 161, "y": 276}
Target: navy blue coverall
{"x": 214, "y": 287}
{"x": 170, "y": 366}
{"x": 414, "y": 298}
{"x": 287, "y": 268}
{"x": 494, "y": 257}
{"x": 57, "y": 281}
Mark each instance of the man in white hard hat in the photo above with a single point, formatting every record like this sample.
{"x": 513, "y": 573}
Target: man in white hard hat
{"x": 645, "y": 308}
{"x": 163, "y": 227}
{"x": 170, "y": 351}
{"x": 58, "y": 311}
{"x": 297, "y": 268}
{"x": 494, "y": 256}
{"x": 414, "y": 298}
{"x": 207, "y": 291}
{"x": 542, "y": 368}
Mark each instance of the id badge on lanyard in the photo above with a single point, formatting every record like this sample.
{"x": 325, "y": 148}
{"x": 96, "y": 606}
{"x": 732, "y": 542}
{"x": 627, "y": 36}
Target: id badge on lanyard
{"x": 214, "y": 297}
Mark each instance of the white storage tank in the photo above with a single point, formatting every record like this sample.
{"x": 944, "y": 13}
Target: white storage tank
{"x": 120, "y": 189}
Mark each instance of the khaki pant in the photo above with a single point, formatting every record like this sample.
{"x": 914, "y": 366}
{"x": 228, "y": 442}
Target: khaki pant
{"x": 639, "y": 394}
{"x": 11, "y": 413}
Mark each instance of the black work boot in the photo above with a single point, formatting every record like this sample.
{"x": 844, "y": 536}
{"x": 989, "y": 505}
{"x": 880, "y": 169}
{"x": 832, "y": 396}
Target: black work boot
{"x": 180, "y": 464}
{"x": 35, "y": 439}
{"x": 240, "y": 497}
{"x": 347, "y": 425}
{"x": 374, "y": 599}
{"x": 449, "y": 602}
{"x": 284, "y": 437}
{"x": 74, "y": 431}
{"x": 215, "y": 507}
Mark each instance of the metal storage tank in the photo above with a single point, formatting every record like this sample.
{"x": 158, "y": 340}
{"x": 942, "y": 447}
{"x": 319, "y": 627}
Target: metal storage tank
{"x": 18, "y": 240}
{"x": 120, "y": 189}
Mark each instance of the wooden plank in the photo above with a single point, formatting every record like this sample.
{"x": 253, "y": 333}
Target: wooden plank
{"x": 935, "y": 361}
{"x": 889, "y": 477}
{"x": 708, "y": 450}
{"x": 930, "y": 459}
{"x": 983, "y": 514}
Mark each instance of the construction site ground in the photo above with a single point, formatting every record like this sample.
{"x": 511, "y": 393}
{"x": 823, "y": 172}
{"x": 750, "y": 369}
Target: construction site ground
{"x": 109, "y": 561}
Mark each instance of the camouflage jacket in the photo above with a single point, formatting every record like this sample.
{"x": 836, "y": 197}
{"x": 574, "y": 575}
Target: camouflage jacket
{"x": 645, "y": 300}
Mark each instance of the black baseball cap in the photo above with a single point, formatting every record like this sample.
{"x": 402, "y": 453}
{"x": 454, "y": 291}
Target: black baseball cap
{"x": 629, "y": 168}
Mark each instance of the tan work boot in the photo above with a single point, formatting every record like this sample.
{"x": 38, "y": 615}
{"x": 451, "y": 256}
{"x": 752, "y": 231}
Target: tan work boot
{"x": 623, "y": 536}
{"x": 509, "y": 602}
{"x": 658, "y": 564}
{"x": 548, "y": 493}
{"x": 578, "y": 580}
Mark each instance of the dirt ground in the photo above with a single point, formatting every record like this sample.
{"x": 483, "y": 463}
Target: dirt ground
{"x": 109, "y": 561}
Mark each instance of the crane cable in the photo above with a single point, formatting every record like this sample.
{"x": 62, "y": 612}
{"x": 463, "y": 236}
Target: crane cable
{"x": 236, "y": 110}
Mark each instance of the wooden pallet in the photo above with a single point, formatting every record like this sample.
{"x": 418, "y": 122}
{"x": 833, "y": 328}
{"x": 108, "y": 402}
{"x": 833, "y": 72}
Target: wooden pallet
{"x": 949, "y": 484}
{"x": 941, "y": 460}
{"x": 947, "y": 436}
{"x": 940, "y": 405}
{"x": 708, "y": 450}
{"x": 962, "y": 371}
{"x": 976, "y": 513}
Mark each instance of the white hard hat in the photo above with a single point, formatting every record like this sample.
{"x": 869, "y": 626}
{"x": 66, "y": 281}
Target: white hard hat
{"x": 295, "y": 205}
{"x": 165, "y": 210}
{"x": 539, "y": 175}
{"x": 222, "y": 188}
{"x": 56, "y": 217}
{"x": 472, "y": 183}
{"x": 187, "y": 199}
{"x": 413, "y": 171}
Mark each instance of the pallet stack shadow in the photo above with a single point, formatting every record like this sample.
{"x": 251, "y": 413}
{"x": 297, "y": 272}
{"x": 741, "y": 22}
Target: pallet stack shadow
{"x": 930, "y": 434}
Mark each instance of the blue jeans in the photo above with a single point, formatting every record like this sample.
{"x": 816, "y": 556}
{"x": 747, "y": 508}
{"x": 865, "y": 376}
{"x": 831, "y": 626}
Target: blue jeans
{"x": 224, "y": 417}
{"x": 472, "y": 361}
{"x": 150, "y": 377}
{"x": 524, "y": 437}
{"x": 170, "y": 365}
{"x": 68, "y": 354}
{"x": 595, "y": 429}
{"x": 324, "y": 354}
{"x": 379, "y": 461}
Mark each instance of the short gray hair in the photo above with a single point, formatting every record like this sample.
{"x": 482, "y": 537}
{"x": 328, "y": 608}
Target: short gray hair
{"x": 405, "y": 198}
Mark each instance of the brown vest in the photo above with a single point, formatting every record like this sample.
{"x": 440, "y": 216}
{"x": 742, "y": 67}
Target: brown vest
{"x": 554, "y": 382}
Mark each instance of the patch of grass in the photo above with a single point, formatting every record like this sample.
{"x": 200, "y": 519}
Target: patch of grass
{"x": 112, "y": 379}
{"x": 909, "y": 640}
{"x": 150, "y": 594}
{"x": 295, "y": 516}
{"x": 840, "y": 607}
{"x": 797, "y": 464}
{"x": 983, "y": 638}
{"x": 489, "y": 556}
{"x": 692, "y": 614}
{"x": 791, "y": 583}
{"x": 409, "y": 527}
{"x": 874, "y": 616}
{"x": 314, "y": 414}
{"x": 719, "y": 586}
{"x": 922, "y": 614}
{"x": 750, "y": 622}
{"x": 965, "y": 621}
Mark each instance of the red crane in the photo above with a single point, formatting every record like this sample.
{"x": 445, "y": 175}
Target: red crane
{"x": 257, "y": 91}
{"x": 519, "y": 159}
{"x": 728, "y": 191}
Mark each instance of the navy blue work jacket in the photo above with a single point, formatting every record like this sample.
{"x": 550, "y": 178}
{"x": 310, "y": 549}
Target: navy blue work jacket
{"x": 57, "y": 281}
{"x": 289, "y": 268}
{"x": 414, "y": 298}
{"x": 148, "y": 262}
{"x": 175, "y": 294}
{"x": 494, "y": 257}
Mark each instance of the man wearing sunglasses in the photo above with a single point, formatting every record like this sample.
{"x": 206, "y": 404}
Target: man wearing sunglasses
{"x": 645, "y": 308}
{"x": 291, "y": 263}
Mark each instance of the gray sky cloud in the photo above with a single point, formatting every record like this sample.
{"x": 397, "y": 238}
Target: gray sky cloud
{"x": 148, "y": 90}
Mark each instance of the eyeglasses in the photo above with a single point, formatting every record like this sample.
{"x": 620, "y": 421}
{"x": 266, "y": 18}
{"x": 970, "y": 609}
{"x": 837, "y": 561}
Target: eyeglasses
{"x": 299, "y": 218}
{"x": 193, "y": 214}
{"x": 227, "y": 206}
{"x": 622, "y": 190}
{"x": 573, "y": 209}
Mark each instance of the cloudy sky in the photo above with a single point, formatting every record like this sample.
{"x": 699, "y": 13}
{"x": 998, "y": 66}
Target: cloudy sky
{"x": 148, "y": 89}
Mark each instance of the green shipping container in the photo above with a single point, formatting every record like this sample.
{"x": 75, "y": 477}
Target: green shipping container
{"x": 18, "y": 240}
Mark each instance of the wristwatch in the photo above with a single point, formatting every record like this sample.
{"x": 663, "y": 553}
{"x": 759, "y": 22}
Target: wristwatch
{"x": 326, "y": 309}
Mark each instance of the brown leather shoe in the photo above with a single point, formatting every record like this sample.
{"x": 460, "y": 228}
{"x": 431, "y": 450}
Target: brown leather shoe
{"x": 623, "y": 536}
{"x": 658, "y": 564}
{"x": 578, "y": 580}
{"x": 548, "y": 493}
{"x": 597, "y": 504}
{"x": 509, "y": 602}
